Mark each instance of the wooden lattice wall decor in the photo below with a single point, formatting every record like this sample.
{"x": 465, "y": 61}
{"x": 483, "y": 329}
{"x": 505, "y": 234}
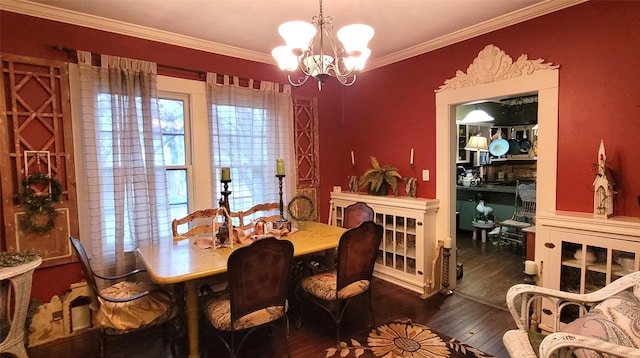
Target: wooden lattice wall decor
{"x": 306, "y": 144}
{"x": 35, "y": 117}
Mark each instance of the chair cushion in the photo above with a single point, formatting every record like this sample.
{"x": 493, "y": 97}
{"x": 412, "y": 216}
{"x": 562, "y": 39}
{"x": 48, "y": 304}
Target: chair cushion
{"x": 515, "y": 223}
{"x": 616, "y": 320}
{"x": 218, "y": 311}
{"x": 123, "y": 317}
{"x": 324, "y": 287}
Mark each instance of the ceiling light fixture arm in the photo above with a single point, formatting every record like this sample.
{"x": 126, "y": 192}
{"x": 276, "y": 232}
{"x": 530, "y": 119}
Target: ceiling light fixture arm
{"x": 341, "y": 63}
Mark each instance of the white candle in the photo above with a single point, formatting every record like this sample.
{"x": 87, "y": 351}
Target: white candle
{"x": 447, "y": 243}
{"x": 353, "y": 159}
{"x": 530, "y": 267}
{"x": 411, "y": 159}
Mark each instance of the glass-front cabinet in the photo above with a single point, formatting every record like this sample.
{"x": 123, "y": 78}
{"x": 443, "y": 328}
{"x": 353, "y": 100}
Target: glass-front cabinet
{"x": 408, "y": 245}
{"x": 463, "y": 138}
{"x": 583, "y": 255}
{"x": 587, "y": 268}
{"x": 398, "y": 249}
{"x": 588, "y": 263}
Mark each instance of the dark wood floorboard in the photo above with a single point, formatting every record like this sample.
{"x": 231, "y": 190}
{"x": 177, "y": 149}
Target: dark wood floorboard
{"x": 489, "y": 269}
{"x": 478, "y": 321}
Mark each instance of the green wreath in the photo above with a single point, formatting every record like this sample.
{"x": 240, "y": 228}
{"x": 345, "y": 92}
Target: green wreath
{"x": 12, "y": 259}
{"x": 300, "y": 215}
{"x": 41, "y": 204}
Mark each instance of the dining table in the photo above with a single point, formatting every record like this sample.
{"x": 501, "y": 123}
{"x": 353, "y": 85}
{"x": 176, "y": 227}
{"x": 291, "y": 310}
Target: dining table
{"x": 185, "y": 262}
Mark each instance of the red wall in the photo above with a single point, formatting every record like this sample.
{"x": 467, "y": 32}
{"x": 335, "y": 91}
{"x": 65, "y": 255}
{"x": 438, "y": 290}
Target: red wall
{"x": 392, "y": 109}
{"x": 597, "y": 46}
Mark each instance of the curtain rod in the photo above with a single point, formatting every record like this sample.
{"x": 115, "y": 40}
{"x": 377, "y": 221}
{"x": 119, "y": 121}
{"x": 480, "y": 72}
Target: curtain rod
{"x": 201, "y": 74}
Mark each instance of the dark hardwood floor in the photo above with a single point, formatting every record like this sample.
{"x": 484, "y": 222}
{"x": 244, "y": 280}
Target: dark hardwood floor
{"x": 459, "y": 315}
{"x": 489, "y": 269}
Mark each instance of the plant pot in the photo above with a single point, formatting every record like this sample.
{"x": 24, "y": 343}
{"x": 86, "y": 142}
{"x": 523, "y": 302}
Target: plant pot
{"x": 382, "y": 191}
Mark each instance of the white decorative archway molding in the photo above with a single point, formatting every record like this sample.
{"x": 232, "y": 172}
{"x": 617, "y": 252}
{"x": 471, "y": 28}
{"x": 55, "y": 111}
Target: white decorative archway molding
{"x": 493, "y": 74}
{"x": 493, "y": 64}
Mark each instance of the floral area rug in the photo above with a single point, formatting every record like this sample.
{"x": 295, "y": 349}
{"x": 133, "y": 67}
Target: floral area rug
{"x": 406, "y": 339}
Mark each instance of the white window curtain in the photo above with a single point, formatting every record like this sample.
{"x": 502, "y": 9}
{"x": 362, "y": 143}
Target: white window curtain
{"x": 250, "y": 129}
{"x": 125, "y": 174}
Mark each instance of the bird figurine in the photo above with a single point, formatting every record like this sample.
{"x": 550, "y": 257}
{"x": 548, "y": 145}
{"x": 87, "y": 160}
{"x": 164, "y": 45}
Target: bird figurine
{"x": 485, "y": 210}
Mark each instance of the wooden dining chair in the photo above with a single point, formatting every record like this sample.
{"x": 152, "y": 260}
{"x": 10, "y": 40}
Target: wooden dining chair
{"x": 334, "y": 290}
{"x": 356, "y": 214}
{"x": 199, "y": 223}
{"x": 353, "y": 215}
{"x": 265, "y": 211}
{"x": 127, "y": 307}
{"x": 258, "y": 285}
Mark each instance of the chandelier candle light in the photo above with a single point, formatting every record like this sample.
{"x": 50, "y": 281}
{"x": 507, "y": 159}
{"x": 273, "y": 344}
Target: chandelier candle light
{"x": 343, "y": 63}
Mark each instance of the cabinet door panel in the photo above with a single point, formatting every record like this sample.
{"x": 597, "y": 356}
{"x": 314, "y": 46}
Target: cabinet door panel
{"x": 398, "y": 249}
{"x": 401, "y": 255}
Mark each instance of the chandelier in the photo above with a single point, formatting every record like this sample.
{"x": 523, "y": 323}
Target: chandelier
{"x": 343, "y": 62}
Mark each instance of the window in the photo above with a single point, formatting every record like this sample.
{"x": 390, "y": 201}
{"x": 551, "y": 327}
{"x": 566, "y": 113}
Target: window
{"x": 250, "y": 129}
{"x": 244, "y": 132}
{"x": 174, "y": 121}
{"x": 190, "y": 149}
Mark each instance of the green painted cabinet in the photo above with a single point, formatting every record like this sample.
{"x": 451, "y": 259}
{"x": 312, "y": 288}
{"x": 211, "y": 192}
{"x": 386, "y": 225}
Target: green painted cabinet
{"x": 500, "y": 198}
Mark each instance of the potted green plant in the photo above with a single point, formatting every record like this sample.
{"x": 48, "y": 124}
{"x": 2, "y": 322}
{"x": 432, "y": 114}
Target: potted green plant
{"x": 377, "y": 178}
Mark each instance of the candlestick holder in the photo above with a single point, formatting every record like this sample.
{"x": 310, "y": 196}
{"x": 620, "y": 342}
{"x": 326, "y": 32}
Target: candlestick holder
{"x": 446, "y": 254}
{"x": 222, "y": 236}
{"x": 281, "y": 223}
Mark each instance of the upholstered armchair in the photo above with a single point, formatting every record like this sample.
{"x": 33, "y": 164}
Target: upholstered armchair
{"x": 607, "y": 323}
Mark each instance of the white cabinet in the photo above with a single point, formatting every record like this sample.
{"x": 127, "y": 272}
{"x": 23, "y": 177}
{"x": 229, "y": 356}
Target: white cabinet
{"x": 409, "y": 245}
{"x": 581, "y": 253}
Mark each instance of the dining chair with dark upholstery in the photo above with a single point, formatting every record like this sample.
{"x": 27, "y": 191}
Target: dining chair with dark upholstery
{"x": 127, "y": 307}
{"x": 353, "y": 215}
{"x": 356, "y": 214}
{"x": 258, "y": 284}
{"x": 334, "y": 290}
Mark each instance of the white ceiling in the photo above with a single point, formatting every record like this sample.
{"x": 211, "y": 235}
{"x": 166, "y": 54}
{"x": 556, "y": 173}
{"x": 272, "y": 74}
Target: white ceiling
{"x": 249, "y": 28}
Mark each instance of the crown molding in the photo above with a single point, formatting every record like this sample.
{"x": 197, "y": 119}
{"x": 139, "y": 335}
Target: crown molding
{"x": 99, "y": 23}
{"x": 123, "y": 28}
{"x": 515, "y": 17}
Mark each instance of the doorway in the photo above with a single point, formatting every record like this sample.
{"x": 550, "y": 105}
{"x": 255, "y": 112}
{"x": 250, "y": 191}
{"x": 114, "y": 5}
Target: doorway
{"x": 486, "y": 181}
{"x": 486, "y": 79}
